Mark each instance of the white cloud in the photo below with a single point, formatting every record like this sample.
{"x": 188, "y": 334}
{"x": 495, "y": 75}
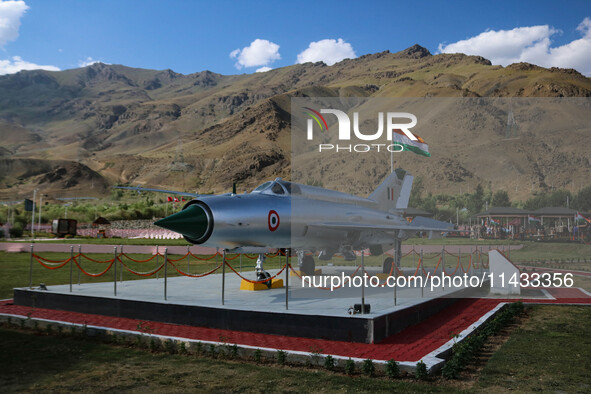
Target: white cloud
{"x": 529, "y": 44}
{"x": 10, "y": 20}
{"x": 17, "y": 64}
{"x": 258, "y": 53}
{"x": 263, "y": 69}
{"x": 329, "y": 51}
{"x": 11, "y": 13}
{"x": 87, "y": 62}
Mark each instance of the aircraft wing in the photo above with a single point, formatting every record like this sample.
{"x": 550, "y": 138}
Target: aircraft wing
{"x": 423, "y": 224}
{"x": 146, "y": 189}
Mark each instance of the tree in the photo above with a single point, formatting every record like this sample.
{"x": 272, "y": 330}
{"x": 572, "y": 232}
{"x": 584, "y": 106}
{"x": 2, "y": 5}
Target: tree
{"x": 501, "y": 199}
{"x": 582, "y": 200}
{"x": 476, "y": 200}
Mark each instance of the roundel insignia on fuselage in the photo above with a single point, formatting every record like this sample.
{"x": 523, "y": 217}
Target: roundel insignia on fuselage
{"x": 273, "y": 220}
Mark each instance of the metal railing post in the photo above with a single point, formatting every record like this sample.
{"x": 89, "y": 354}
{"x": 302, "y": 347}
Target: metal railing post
{"x": 395, "y": 268}
{"x": 120, "y": 265}
{"x": 362, "y": 284}
{"x": 188, "y": 256}
{"x": 157, "y": 263}
{"x": 79, "y": 261}
{"x": 165, "y": 273}
{"x": 31, "y": 269}
{"x": 223, "y": 274}
{"x": 115, "y": 271}
{"x": 71, "y": 262}
{"x": 442, "y": 268}
{"x": 422, "y": 274}
{"x": 286, "y": 279}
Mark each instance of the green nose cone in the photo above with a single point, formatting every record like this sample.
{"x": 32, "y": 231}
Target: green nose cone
{"x": 192, "y": 222}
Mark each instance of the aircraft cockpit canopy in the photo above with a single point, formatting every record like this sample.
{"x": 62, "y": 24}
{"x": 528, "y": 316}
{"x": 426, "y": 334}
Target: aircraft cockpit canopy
{"x": 277, "y": 187}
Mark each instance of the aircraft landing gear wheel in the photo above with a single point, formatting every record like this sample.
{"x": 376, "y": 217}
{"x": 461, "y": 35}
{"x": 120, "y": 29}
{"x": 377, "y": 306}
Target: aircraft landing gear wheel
{"x": 387, "y": 267}
{"x": 265, "y": 275}
{"x": 308, "y": 266}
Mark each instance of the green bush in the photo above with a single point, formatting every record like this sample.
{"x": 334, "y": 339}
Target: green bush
{"x": 392, "y": 369}
{"x": 421, "y": 371}
{"x": 464, "y": 352}
{"x": 234, "y": 351}
{"x": 153, "y": 345}
{"x": 16, "y": 231}
{"x": 170, "y": 346}
{"x": 349, "y": 367}
{"x": 368, "y": 367}
{"x": 257, "y": 356}
{"x": 451, "y": 369}
{"x": 281, "y": 357}
{"x": 329, "y": 362}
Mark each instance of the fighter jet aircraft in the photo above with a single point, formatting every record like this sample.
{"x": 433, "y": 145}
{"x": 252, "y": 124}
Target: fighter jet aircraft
{"x": 281, "y": 214}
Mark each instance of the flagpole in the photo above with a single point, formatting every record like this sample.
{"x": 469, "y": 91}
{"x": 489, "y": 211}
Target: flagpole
{"x": 391, "y": 160}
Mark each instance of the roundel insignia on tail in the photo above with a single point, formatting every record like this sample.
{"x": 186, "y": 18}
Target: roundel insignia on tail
{"x": 273, "y": 220}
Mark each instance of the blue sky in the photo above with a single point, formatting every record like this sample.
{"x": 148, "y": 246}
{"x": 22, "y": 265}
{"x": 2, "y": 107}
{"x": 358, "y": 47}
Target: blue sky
{"x": 191, "y": 36}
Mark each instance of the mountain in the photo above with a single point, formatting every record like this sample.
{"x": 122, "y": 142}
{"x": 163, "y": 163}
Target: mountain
{"x": 75, "y": 132}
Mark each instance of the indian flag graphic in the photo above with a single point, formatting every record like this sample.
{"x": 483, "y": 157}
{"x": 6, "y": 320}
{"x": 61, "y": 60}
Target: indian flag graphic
{"x": 419, "y": 147}
{"x": 493, "y": 222}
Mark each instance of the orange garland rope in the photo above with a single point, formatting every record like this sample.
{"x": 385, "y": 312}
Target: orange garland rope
{"x": 93, "y": 260}
{"x": 39, "y": 260}
{"x": 196, "y": 275}
{"x": 256, "y": 281}
{"x": 179, "y": 259}
{"x": 206, "y": 258}
{"x": 149, "y": 273}
{"x": 61, "y": 263}
{"x": 94, "y": 275}
{"x": 138, "y": 261}
{"x": 51, "y": 261}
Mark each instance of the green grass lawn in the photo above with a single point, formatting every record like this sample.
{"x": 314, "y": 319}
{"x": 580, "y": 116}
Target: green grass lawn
{"x": 536, "y": 251}
{"x": 15, "y": 269}
{"x": 33, "y": 362}
{"x": 549, "y": 350}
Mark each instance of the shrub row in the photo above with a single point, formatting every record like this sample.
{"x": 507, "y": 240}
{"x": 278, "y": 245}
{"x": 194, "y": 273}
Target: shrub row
{"x": 464, "y": 352}
{"x": 145, "y": 340}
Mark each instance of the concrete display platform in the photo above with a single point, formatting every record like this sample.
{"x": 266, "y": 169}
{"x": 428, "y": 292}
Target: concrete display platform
{"x": 312, "y": 313}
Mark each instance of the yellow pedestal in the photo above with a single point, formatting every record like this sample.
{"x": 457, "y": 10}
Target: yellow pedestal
{"x": 300, "y": 273}
{"x": 383, "y": 276}
{"x": 275, "y": 284}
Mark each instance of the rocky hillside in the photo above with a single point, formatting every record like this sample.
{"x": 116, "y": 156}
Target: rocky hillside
{"x": 74, "y": 132}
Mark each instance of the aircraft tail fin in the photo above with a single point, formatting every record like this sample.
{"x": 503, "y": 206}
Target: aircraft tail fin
{"x": 394, "y": 192}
